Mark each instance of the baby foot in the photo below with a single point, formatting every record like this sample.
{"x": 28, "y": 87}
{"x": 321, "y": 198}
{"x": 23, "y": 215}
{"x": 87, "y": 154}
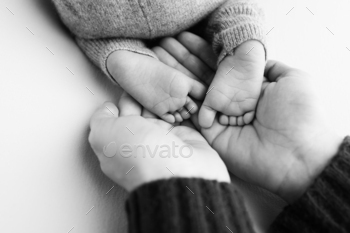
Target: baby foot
{"x": 236, "y": 87}
{"x": 156, "y": 86}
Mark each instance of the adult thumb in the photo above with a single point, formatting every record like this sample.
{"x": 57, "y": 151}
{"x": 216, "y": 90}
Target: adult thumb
{"x": 274, "y": 70}
{"x": 99, "y": 122}
{"x": 105, "y": 111}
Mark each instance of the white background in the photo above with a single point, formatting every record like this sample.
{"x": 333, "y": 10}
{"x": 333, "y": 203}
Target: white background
{"x": 49, "y": 176}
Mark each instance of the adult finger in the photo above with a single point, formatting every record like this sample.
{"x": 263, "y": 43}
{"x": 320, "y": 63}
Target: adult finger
{"x": 169, "y": 60}
{"x": 198, "y": 47}
{"x": 108, "y": 111}
{"x": 128, "y": 106}
{"x": 275, "y": 70}
{"x": 105, "y": 111}
{"x": 188, "y": 60}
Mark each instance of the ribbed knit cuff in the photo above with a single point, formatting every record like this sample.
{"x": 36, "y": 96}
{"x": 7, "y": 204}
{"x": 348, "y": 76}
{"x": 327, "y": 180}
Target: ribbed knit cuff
{"x": 233, "y": 24}
{"x": 98, "y": 50}
{"x": 231, "y": 38}
{"x": 187, "y": 205}
{"x": 325, "y": 207}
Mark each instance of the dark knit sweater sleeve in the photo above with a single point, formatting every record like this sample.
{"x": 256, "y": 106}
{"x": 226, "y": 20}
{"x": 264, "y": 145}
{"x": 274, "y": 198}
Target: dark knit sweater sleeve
{"x": 325, "y": 207}
{"x": 187, "y": 205}
{"x": 234, "y": 23}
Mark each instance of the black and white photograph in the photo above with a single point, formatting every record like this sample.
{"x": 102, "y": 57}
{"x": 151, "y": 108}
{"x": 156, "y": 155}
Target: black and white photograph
{"x": 175, "y": 116}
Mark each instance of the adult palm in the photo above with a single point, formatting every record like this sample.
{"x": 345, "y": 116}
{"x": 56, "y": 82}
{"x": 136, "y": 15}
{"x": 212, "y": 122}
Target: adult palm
{"x": 287, "y": 145}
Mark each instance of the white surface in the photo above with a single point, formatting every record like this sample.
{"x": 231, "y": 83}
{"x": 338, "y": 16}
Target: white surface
{"x": 50, "y": 178}
{"x": 301, "y": 39}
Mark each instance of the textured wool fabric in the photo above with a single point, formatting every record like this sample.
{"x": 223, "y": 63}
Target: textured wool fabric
{"x": 325, "y": 207}
{"x": 104, "y": 26}
{"x": 187, "y": 205}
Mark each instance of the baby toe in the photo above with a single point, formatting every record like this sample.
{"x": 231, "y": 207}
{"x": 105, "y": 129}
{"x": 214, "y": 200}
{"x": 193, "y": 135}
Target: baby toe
{"x": 233, "y": 120}
{"x": 168, "y": 118}
{"x": 240, "y": 121}
{"x": 223, "y": 120}
{"x": 178, "y": 117}
{"x": 191, "y": 106}
{"x": 248, "y": 117}
{"x": 206, "y": 116}
{"x": 185, "y": 114}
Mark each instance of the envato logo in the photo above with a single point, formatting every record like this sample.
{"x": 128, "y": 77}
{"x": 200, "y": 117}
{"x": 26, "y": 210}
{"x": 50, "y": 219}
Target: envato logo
{"x": 148, "y": 151}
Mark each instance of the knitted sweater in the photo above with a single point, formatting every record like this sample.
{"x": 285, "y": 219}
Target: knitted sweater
{"x": 202, "y": 206}
{"x": 101, "y": 27}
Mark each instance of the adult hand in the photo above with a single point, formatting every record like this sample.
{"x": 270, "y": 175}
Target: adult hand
{"x": 288, "y": 144}
{"x": 134, "y": 147}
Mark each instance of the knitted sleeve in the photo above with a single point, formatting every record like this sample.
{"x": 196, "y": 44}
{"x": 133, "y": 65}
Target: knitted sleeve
{"x": 91, "y": 22}
{"x": 233, "y": 23}
{"x": 98, "y": 50}
{"x": 187, "y": 205}
{"x": 325, "y": 207}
